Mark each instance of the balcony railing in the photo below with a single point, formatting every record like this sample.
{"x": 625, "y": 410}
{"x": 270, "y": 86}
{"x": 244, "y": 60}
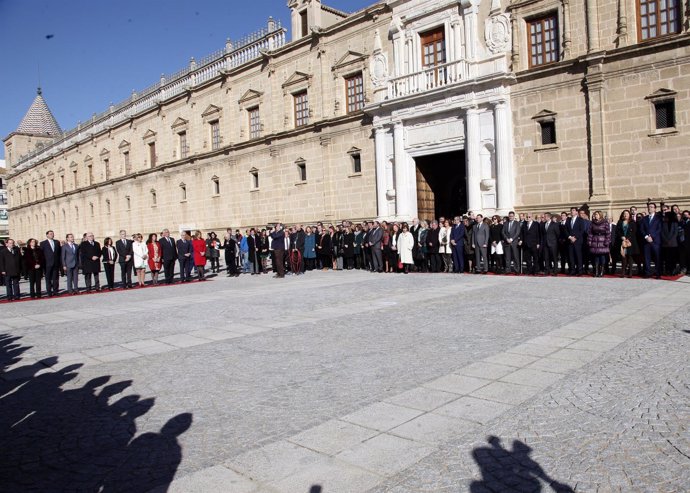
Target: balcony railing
{"x": 428, "y": 79}
{"x": 234, "y": 55}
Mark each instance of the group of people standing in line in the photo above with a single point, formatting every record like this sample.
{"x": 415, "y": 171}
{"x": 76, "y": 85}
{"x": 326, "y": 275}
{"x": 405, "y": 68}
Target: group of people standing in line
{"x": 527, "y": 243}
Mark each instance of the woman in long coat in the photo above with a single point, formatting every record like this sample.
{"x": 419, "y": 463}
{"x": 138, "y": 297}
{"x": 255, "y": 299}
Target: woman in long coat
{"x": 34, "y": 262}
{"x": 599, "y": 241}
{"x": 199, "y": 247}
{"x": 155, "y": 261}
{"x": 348, "y": 245}
{"x": 309, "y": 248}
{"x": 405, "y": 245}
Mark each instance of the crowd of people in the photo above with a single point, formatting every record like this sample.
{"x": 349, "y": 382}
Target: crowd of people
{"x": 579, "y": 242}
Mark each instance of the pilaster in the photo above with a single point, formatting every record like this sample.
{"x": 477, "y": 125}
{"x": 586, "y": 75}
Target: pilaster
{"x": 381, "y": 185}
{"x": 504, "y": 157}
{"x": 474, "y": 172}
{"x": 595, "y": 84}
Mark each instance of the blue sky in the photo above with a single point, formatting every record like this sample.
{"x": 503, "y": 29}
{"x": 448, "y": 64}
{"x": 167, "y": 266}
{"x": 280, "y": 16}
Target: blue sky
{"x": 93, "y": 52}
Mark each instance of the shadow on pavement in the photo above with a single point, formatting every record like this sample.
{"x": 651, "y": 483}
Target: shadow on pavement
{"x": 57, "y": 439}
{"x": 510, "y": 470}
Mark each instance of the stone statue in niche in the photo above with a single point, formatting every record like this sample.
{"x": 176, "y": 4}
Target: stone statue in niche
{"x": 497, "y": 33}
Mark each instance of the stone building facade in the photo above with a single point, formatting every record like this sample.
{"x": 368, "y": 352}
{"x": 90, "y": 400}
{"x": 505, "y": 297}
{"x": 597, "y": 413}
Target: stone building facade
{"x": 405, "y": 108}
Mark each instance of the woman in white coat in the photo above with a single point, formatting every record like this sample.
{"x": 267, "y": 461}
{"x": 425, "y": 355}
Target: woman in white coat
{"x": 444, "y": 246}
{"x": 141, "y": 255}
{"x": 405, "y": 244}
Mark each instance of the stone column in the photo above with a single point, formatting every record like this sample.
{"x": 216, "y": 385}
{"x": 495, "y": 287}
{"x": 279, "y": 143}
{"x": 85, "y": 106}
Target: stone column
{"x": 381, "y": 185}
{"x": 402, "y": 196}
{"x": 474, "y": 172}
{"x": 594, "y": 81}
{"x": 566, "y": 29}
{"x": 592, "y": 26}
{"x": 505, "y": 181}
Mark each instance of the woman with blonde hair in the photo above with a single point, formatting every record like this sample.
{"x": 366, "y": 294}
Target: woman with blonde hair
{"x": 141, "y": 255}
{"x": 199, "y": 248}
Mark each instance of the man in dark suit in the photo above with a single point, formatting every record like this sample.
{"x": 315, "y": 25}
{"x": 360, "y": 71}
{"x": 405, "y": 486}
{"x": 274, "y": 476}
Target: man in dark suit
{"x": 51, "y": 252}
{"x": 90, "y": 261}
{"x": 576, "y": 229}
{"x": 432, "y": 247}
{"x": 550, "y": 235}
{"x": 529, "y": 240}
{"x": 375, "y": 239}
{"x": 11, "y": 268}
{"x": 168, "y": 255}
{"x": 185, "y": 253}
{"x": 126, "y": 258}
{"x": 69, "y": 259}
{"x": 366, "y": 248}
{"x": 457, "y": 243}
{"x": 278, "y": 246}
{"x": 511, "y": 240}
{"x": 480, "y": 238}
{"x": 650, "y": 229}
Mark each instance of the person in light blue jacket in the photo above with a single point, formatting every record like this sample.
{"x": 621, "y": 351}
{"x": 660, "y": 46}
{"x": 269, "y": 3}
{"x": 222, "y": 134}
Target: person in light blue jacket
{"x": 309, "y": 248}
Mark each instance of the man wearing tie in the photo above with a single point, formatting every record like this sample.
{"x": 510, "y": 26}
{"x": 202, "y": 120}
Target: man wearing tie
{"x": 375, "y": 238}
{"x": 184, "y": 256}
{"x": 511, "y": 239}
{"x": 550, "y": 235}
{"x": 70, "y": 264}
{"x": 529, "y": 240}
{"x": 51, "y": 252}
{"x": 576, "y": 229}
{"x": 125, "y": 258}
{"x": 90, "y": 256}
{"x": 278, "y": 243}
{"x": 481, "y": 243}
{"x": 650, "y": 229}
{"x": 457, "y": 243}
{"x": 168, "y": 255}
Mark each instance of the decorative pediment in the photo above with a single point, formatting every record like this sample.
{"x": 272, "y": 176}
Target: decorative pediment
{"x": 182, "y": 185}
{"x": 354, "y": 150}
{"x": 179, "y": 124}
{"x": 104, "y": 152}
{"x": 215, "y": 178}
{"x": 50, "y": 174}
{"x": 253, "y": 170}
{"x": 300, "y": 160}
{"x": 73, "y": 164}
{"x": 87, "y": 159}
{"x": 296, "y": 79}
{"x": 123, "y": 145}
{"x": 544, "y": 115}
{"x": 211, "y": 110}
{"x": 250, "y": 96}
{"x": 150, "y": 134}
{"x": 662, "y": 94}
{"x": 348, "y": 59}
{"x": 61, "y": 170}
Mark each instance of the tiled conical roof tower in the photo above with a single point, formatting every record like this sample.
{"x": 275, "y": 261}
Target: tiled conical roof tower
{"x": 39, "y": 120}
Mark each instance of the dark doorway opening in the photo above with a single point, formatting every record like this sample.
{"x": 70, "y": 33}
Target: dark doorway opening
{"x": 441, "y": 185}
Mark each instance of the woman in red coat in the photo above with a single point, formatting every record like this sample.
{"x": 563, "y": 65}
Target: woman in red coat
{"x": 199, "y": 246}
{"x": 155, "y": 261}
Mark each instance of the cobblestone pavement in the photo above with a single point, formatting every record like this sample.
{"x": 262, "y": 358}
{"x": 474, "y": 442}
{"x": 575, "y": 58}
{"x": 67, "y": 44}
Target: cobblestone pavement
{"x": 350, "y": 381}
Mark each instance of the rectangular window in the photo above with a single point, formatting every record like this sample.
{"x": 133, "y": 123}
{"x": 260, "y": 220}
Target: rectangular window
{"x": 301, "y": 109}
{"x": 107, "y": 206}
{"x": 74, "y": 179}
{"x": 356, "y": 163}
{"x": 665, "y": 114}
{"x": 548, "y": 132}
{"x": 52, "y": 186}
{"x": 215, "y": 135}
{"x": 254, "y": 123}
{"x": 433, "y": 48}
{"x": 154, "y": 198}
{"x": 543, "y": 40}
{"x": 106, "y": 167}
{"x": 216, "y": 187}
{"x": 89, "y": 169}
{"x": 128, "y": 202}
{"x": 355, "y": 93}
{"x": 255, "y": 179}
{"x": 183, "y": 190}
{"x": 184, "y": 150}
{"x": 658, "y": 18}
{"x": 304, "y": 23}
{"x": 302, "y": 171}
{"x": 152, "y": 154}
{"x": 128, "y": 166}
{"x": 62, "y": 183}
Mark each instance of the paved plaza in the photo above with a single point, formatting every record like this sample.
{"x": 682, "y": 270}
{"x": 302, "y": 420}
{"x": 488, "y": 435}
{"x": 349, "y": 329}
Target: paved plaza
{"x": 350, "y": 382}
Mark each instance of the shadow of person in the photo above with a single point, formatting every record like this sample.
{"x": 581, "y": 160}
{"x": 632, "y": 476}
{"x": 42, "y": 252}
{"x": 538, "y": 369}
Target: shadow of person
{"x": 514, "y": 470}
{"x": 73, "y": 439}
